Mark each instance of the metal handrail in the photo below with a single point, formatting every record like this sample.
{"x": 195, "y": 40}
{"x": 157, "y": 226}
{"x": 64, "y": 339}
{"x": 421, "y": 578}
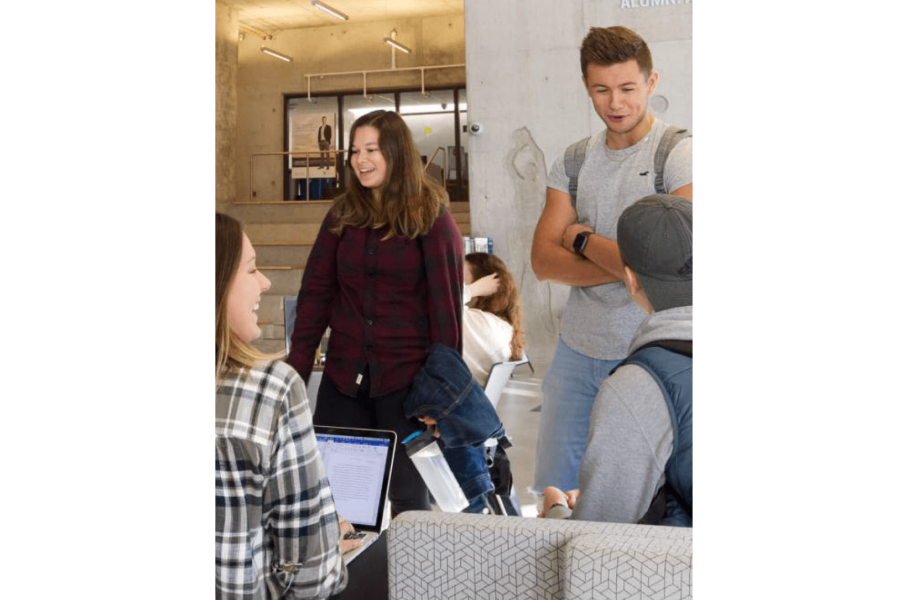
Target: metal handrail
{"x": 316, "y": 153}
{"x": 443, "y": 165}
{"x": 366, "y": 73}
{"x": 334, "y": 153}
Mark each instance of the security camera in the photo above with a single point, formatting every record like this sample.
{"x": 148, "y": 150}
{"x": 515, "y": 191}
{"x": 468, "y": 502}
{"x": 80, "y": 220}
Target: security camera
{"x": 475, "y": 128}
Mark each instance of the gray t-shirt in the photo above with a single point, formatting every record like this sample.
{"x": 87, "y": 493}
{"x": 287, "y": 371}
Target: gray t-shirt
{"x": 599, "y": 321}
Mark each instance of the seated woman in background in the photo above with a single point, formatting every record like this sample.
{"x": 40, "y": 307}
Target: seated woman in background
{"x": 277, "y": 530}
{"x": 492, "y": 317}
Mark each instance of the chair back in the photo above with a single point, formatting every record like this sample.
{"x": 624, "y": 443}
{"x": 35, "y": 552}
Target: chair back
{"x": 289, "y": 306}
{"x": 499, "y": 376}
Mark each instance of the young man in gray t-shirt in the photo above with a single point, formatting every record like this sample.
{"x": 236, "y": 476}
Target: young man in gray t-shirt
{"x": 575, "y": 245}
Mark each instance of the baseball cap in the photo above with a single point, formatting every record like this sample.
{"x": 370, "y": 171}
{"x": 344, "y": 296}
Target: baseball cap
{"x": 656, "y": 241}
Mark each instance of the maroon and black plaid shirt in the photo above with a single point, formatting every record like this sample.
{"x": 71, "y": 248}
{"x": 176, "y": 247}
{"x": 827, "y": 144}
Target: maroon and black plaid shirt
{"x": 385, "y": 301}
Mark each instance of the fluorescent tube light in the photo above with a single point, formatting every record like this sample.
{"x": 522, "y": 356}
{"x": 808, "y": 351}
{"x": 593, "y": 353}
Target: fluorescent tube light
{"x": 396, "y": 44}
{"x": 271, "y": 52}
{"x": 331, "y": 11}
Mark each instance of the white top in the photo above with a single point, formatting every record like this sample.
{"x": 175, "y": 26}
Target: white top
{"x": 486, "y": 340}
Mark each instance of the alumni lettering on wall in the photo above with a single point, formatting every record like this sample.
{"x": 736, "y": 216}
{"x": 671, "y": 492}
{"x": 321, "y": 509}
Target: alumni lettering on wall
{"x": 651, "y": 3}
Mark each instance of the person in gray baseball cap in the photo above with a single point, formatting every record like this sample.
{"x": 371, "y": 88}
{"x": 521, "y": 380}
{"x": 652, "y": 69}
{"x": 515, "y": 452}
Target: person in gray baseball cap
{"x": 655, "y": 241}
{"x": 638, "y": 467}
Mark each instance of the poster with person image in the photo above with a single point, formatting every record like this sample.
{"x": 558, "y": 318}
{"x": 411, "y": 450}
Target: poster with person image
{"x": 312, "y": 145}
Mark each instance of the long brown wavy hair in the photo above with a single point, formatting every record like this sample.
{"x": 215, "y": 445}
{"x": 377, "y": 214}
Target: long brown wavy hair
{"x": 408, "y": 203}
{"x": 504, "y": 302}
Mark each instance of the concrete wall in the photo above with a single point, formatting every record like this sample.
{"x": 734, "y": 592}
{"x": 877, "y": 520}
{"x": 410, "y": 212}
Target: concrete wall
{"x": 524, "y": 86}
{"x": 226, "y": 103}
{"x": 263, "y": 81}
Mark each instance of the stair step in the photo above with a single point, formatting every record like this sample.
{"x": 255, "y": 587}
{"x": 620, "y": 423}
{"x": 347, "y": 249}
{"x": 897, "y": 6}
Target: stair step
{"x": 280, "y": 212}
{"x": 282, "y": 233}
{"x": 312, "y": 211}
{"x": 282, "y": 254}
{"x": 263, "y": 234}
{"x": 270, "y": 308}
{"x": 284, "y": 281}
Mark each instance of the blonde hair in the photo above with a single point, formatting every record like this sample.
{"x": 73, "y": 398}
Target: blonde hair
{"x": 504, "y": 302}
{"x": 408, "y": 202}
{"x": 232, "y": 353}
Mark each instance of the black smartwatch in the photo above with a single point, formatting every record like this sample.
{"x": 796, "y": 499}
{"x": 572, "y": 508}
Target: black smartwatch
{"x": 580, "y": 242}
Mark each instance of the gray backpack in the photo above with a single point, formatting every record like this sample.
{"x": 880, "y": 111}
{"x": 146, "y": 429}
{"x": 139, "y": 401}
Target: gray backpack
{"x": 575, "y": 157}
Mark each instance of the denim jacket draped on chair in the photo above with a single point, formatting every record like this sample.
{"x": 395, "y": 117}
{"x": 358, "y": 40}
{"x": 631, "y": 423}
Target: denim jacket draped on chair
{"x": 445, "y": 390}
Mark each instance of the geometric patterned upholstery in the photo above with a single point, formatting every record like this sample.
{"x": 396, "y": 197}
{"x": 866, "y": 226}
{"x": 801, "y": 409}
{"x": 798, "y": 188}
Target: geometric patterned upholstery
{"x": 456, "y": 556}
{"x": 608, "y": 567}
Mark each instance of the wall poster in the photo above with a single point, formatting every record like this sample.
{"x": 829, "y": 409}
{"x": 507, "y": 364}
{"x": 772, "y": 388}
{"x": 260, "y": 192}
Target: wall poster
{"x": 313, "y": 133}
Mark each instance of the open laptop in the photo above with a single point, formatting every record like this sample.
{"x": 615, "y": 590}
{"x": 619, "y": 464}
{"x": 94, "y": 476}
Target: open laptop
{"x": 358, "y": 464}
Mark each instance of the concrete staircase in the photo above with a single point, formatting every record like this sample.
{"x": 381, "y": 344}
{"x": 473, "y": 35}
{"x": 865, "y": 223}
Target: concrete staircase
{"x": 283, "y": 234}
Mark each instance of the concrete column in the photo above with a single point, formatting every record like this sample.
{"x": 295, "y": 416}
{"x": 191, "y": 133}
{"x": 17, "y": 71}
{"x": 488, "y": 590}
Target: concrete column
{"x": 226, "y": 104}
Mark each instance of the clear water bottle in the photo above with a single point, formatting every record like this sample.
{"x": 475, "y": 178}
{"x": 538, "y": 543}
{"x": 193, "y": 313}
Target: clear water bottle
{"x": 423, "y": 449}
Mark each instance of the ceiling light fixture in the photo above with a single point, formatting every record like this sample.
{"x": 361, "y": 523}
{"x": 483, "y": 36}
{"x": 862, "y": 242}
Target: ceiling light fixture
{"x": 331, "y": 11}
{"x": 276, "y": 54}
{"x": 392, "y": 41}
{"x": 396, "y": 44}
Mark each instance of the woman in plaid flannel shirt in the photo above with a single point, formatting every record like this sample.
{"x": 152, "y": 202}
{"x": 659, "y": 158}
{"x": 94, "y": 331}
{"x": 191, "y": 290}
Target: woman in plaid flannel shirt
{"x": 277, "y": 532}
{"x": 385, "y": 274}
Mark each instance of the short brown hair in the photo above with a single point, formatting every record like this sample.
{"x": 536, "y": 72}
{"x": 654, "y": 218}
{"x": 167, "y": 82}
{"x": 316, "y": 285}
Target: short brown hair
{"x": 612, "y": 45}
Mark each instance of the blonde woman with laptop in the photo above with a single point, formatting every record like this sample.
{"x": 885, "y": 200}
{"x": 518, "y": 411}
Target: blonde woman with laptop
{"x": 277, "y": 532}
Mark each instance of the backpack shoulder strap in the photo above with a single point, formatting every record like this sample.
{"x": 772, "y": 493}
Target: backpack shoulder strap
{"x": 573, "y": 160}
{"x": 670, "y": 139}
{"x": 685, "y": 347}
{"x": 670, "y": 363}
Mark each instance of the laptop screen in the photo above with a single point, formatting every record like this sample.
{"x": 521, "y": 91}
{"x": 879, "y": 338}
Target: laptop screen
{"x": 358, "y": 464}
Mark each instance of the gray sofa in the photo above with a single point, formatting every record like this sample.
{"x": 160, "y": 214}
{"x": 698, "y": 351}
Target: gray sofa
{"x": 440, "y": 556}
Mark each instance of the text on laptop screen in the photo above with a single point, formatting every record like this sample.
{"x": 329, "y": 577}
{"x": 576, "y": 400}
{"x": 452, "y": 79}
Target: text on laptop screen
{"x": 355, "y": 468}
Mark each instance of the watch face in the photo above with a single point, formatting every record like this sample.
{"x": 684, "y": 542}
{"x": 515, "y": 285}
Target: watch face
{"x": 580, "y": 242}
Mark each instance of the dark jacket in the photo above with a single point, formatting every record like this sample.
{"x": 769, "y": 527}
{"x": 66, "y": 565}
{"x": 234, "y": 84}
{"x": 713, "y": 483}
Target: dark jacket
{"x": 445, "y": 390}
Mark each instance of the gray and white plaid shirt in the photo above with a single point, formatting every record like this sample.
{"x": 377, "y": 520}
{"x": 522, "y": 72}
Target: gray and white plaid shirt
{"x": 277, "y": 529}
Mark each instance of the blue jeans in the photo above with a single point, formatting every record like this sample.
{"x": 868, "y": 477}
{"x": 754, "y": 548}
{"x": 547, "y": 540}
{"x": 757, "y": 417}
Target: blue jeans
{"x": 569, "y": 388}
{"x": 469, "y": 466}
